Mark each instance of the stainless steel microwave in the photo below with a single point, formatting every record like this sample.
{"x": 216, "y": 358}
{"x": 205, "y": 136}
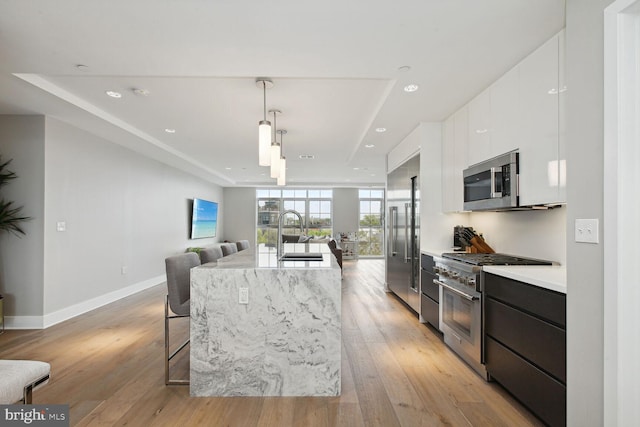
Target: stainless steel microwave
{"x": 492, "y": 184}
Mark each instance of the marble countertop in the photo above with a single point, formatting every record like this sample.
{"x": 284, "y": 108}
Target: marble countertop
{"x": 282, "y": 338}
{"x": 263, "y": 256}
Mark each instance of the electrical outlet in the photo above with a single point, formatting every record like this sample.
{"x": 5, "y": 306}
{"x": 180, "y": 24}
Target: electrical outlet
{"x": 586, "y": 231}
{"x": 123, "y": 269}
{"x": 61, "y": 226}
{"x": 243, "y": 295}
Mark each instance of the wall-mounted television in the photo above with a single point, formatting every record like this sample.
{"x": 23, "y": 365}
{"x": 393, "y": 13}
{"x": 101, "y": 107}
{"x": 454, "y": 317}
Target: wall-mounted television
{"x": 204, "y": 219}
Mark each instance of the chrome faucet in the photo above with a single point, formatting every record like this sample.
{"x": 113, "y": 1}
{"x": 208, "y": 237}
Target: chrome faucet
{"x": 279, "y": 243}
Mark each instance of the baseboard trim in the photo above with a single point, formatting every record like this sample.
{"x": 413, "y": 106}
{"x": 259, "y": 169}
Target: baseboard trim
{"x": 48, "y": 320}
{"x": 23, "y": 322}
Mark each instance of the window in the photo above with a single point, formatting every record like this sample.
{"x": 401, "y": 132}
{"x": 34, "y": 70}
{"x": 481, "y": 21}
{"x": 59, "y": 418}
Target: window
{"x": 315, "y": 207}
{"x": 370, "y": 232}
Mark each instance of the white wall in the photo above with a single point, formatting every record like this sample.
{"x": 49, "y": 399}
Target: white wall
{"x": 21, "y": 258}
{"x": 120, "y": 208}
{"x": 406, "y": 149}
{"x": 240, "y": 210}
{"x": 585, "y": 148}
{"x": 436, "y": 227}
{"x": 346, "y": 209}
{"x": 537, "y": 234}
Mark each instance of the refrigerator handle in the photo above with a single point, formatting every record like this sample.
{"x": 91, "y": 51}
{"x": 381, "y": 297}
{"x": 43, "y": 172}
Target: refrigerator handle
{"x": 393, "y": 233}
{"x": 407, "y": 256}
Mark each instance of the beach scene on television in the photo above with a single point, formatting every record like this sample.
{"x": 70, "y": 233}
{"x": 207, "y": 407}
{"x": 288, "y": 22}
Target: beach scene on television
{"x": 204, "y": 220}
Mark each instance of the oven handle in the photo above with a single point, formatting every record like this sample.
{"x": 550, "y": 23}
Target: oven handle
{"x": 456, "y": 291}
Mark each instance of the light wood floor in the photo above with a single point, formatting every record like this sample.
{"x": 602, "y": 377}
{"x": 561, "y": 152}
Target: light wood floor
{"x": 108, "y": 366}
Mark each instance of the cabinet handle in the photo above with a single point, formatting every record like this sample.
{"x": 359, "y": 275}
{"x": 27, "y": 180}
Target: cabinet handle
{"x": 495, "y": 194}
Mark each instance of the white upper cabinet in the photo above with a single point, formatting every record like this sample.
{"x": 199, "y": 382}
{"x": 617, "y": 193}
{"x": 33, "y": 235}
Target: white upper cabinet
{"x": 504, "y": 114}
{"x": 479, "y": 132}
{"x": 539, "y": 125}
{"x": 522, "y": 110}
{"x": 562, "y": 94}
{"x": 454, "y": 160}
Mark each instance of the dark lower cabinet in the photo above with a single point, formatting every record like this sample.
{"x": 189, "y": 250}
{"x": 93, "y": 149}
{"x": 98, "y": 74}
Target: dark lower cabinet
{"x": 429, "y": 298}
{"x": 525, "y": 344}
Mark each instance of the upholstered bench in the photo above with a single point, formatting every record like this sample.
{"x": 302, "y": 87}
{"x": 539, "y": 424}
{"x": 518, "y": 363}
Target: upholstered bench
{"x": 18, "y": 378}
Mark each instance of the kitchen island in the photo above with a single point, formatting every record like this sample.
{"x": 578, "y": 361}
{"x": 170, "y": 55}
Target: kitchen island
{"x": 285, "y": 341}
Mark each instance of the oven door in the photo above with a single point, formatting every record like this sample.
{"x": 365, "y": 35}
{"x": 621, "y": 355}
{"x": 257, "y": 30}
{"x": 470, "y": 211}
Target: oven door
{"x": 460, "y": 323}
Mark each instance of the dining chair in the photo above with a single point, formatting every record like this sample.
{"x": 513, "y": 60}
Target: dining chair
{"x": 229, "y": 248}
{"x": 210, "y": 254}
{"x": 242, "y": 245}
{"x": 178, "y": 300}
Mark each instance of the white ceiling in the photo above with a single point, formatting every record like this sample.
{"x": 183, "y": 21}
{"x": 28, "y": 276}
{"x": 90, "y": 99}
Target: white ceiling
{"x": 335, "y": 67}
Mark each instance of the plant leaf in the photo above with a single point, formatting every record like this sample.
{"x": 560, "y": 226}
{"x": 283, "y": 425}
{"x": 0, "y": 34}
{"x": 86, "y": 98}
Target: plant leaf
{"x": 11, "y": 217}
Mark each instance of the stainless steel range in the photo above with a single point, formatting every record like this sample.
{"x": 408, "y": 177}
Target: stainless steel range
{"x": 459, "y": 276}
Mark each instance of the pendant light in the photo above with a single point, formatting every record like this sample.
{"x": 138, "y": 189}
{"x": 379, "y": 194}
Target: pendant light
{"x": 282, "y": 180}
{"x": 275, "y": 149}
{"x": 264, "y": 127}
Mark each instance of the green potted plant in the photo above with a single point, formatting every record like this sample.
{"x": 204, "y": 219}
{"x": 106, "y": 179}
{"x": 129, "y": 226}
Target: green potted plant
{"x": 10, "y": 218}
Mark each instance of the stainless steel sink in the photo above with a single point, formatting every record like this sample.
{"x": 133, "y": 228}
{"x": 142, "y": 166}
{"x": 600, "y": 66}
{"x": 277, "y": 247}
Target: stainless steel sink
{"x": 302, "y": 256}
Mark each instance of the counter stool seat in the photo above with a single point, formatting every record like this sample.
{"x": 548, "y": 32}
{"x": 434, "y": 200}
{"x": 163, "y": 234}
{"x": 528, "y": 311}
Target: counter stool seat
{"x": 18, "y": 379}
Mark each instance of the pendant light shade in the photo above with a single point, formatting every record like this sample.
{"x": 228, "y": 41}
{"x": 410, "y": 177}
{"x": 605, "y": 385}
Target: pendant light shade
{"x": 282, "y": 179}
{"x": 274, "y": 152}
{"x": 264, "y": 143}
{"x": 275, "y": 160}
{"x": 282, "y": 161}
{"x": 264, "y": 127}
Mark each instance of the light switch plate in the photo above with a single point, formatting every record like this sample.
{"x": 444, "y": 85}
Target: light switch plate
{"x": 586, "y": 231}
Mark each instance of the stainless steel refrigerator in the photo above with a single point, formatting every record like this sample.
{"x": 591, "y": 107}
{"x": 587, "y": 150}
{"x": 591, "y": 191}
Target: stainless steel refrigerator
{"x": 403, "y": 232}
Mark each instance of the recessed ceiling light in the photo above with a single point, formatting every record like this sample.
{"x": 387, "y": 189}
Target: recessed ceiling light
{"x": 82, "y": 67}
{"x": 114, "y": 94}
{"x": 404, "y": 68}
{"x": 369, "y": 146}
{"x": 307, "y": 156}
{"x": 380, "y": 130}
{"x": 228, "y": 168}
{"x": 411, "y": 88}
{"x": 141, "y": 92}
{"x": 355, "y": 169}
{"x": 169, "y": 130}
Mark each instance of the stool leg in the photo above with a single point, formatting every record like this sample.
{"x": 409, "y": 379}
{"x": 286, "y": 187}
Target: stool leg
{"x": 28, "y": 394}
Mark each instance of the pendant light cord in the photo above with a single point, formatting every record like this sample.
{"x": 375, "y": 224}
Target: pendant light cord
{"x": 264, "y": 97}
{"x": 275, "y": 127}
